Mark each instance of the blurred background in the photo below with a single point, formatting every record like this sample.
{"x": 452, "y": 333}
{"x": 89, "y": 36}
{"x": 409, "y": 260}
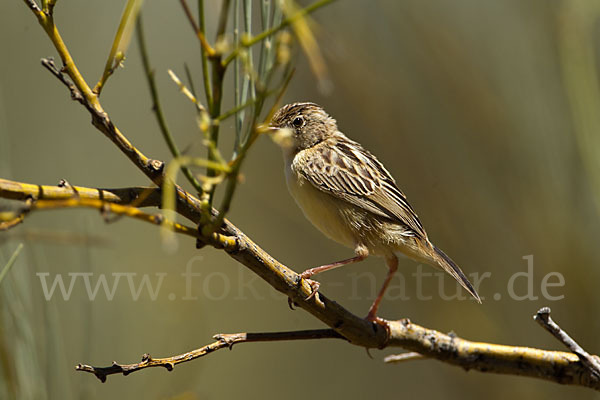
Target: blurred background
{"x": 487, "y": 114}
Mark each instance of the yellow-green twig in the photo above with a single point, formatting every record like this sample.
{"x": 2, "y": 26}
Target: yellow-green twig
{"x": 46, "y": 20}
{"x": 118, "y": 209}
{"x": 120, "y": 43}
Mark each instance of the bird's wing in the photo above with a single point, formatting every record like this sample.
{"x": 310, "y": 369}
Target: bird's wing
{"x": 342, "y": 168}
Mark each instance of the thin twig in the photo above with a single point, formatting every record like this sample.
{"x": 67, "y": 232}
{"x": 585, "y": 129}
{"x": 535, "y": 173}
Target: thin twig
{"x": 147, "y": 362}
{"x": 199, "y": 31}
{"x": 10, "y": 220}
{"x": 542, "y": 317}
{"x": 223, "y": 17}
{"x": 241, "y": 96}
{"x": 265, "y": 45}
{"x": 278, "y": 336}
{"x": 186, "y": 92}
{"x": 104, "y": 207}
{"x": 48, "y": 63}
{"x": 47, "y": 22}
{"x": 187, "y": 205}
{"x": 157, "y": 108}
{"x": 100, "y": 119}
{"x": 120, "y": 43}
{"x": 224, "y": 340}
{"x": 233, "y": 111}
{"x": 204, "y": 55}
{"x": 217, "y": 75}
{"x": 188, "y": 75}
{"x": 236, "y": 78}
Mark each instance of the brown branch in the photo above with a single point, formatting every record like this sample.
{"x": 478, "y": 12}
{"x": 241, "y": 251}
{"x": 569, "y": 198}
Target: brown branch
{"x": 76, "y": 95}
{"x": 542, "y": 317}
{"x": 224, "y": 340}
{"x": 203, "y": 42}
{"x": 147, "y": 362}
{"x": 553, "y": 366}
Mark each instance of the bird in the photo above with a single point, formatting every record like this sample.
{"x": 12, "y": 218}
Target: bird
{"x": 347, "y": 194}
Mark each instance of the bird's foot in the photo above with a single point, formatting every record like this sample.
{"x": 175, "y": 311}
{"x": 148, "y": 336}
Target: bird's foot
{"x": 313, "y": 284}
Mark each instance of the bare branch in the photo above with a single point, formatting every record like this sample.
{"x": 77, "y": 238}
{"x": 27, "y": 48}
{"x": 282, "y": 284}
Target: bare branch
{"x": 105, "y": 208}
{"x": 48, "y": 63}
{"x": 554, "y": 366}
{"x": 224, "y": 340}
{"x": 542, "y": 317}
{"x": 156, "y": 105}
{"x": 147, "y": 362}
{"x": 131, "y": 197}
{"x": 199, "y": 32}
{"x": 120, "y": 43}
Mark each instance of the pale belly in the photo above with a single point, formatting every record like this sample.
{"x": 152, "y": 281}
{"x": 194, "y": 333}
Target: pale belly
{"x": 322, "y": 210}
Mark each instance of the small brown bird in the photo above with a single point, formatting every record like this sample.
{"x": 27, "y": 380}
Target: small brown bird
{"x": 350, "y": 197}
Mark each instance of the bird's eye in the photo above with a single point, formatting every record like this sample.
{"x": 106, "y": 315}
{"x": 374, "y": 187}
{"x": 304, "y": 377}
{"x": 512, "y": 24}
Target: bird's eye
{"x": 298, "y": 122}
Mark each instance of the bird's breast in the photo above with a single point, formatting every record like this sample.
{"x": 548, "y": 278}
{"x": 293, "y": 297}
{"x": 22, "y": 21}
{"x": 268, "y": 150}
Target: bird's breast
{"x": 325, "y": 212}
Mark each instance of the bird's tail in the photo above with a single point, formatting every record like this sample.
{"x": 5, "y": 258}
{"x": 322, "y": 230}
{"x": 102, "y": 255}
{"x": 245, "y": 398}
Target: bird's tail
{"x": 450, "y": 267}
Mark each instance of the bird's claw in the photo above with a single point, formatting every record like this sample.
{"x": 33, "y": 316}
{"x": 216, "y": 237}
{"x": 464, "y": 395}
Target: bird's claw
{"x": 314, "y": 285}
{"x": 291, "y": 303}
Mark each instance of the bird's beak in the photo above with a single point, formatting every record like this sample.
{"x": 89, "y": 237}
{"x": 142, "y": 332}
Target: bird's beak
{"x": 267, "y": 129}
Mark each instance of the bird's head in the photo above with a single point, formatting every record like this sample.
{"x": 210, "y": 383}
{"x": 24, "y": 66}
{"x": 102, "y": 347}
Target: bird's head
{"x": 302, "y": 125}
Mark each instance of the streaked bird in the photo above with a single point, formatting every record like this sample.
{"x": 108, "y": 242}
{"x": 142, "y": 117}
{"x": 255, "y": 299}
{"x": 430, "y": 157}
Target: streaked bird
{"x": 351, "y": 198}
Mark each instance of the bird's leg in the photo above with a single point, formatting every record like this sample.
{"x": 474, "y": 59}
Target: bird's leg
{"x": 392, "y": 263}
{"x": 361, "y": 254}
{"x": 317, "y": 270}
